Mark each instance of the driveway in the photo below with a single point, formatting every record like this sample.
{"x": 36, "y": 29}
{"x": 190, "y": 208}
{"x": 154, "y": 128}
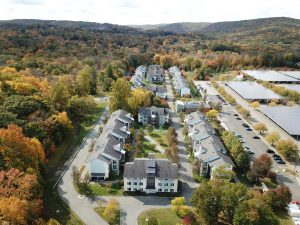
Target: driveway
{"x": 185, "y": 169}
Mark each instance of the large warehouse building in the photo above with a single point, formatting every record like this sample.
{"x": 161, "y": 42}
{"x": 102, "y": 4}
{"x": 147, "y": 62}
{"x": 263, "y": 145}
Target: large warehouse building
{"x": 286, "y": 117}
{"x": 252, "y": 91}
{"x": 272, "y": 76}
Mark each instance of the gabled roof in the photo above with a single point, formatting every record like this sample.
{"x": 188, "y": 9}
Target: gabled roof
{"x": 149, "y": 110}
{"x": 161, "y": 168}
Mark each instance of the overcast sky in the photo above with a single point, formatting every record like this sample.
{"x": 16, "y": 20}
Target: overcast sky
{"x": 147, "y": 11}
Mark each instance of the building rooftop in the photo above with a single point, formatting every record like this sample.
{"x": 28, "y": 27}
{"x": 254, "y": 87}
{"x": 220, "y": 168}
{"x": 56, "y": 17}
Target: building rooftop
{"x": 293, "y": 87}
{"x": 269, "y": 75}
{"x": 153, "y": 109}
{"x": 162, "y": 168}
{"x": 294, "y": 74}
{"x": 251, "y": 90}
{"x": 287, "y": 117}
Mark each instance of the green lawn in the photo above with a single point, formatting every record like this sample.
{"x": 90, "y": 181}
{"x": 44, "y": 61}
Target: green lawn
{"x": 160, "y": 136}
{"x": 100, "y": 190}
{"x": 284, "y": 218}
{"x": 163, "y": 216}
{"x": 149, "y": 147}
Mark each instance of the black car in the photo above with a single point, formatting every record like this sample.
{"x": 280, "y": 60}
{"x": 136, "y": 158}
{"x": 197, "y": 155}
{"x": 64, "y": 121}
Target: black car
{"x": 236, "y": 114}
{"x": 270, "y": 151}
{"x": 256, "y": 137}
{"x": 280, "y": 161}
{"x": 238, "y": 118}
{"x": 249, "y": 129}
{"x": 245, "y": 125}
{"x": 276, "y": 156}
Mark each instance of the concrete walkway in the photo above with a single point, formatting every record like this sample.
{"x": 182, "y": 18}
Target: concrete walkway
{"x": 157, "y": 146}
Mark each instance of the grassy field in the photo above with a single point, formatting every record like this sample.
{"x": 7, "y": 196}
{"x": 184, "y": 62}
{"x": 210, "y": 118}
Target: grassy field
{"x": 109, "y": 190}
{"x": 163, "y": 216}
{"x": 149, "y": 147}
{"x": 160, "y": 136}
{"x": 284, "y": 218}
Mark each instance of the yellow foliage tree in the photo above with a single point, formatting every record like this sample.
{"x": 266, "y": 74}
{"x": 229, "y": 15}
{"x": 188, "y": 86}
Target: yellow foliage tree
{"x": 261, "y": 128}
{"x": 13, "y": 210}
{"x": 139, "y": 98}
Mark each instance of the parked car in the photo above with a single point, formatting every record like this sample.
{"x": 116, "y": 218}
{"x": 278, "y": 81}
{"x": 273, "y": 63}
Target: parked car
{"x": 236, "y": 114}
{"x": 249, "y": 129}
{"x": 246, "y": 148}
{"x": 256, "y": 137}
{"x": 238, "y": 118}
{"x": 239, "y": 136}
{"x": 280, "y": 161}
{"x": 250, "y": 152}
{"x": 245, "y": 125}
{"x": 270, "y": 151}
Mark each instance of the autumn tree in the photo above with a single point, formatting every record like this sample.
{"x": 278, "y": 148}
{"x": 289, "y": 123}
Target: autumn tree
{"x": 19, "y": 151}
{"x": 212, "y": 115}
{"x": 273, "y": 138}
{"x": 86, "y": 81}
{"x": 139, "y": 98}
{"x": 121, "y": 92}
{"x": 288, "y": 149}
{"x": 224, "y": 173}
{"x": 255, "y": 104}
{"x": 280, "y": 197}
{"x": 260, "y": 167}
{"x": 179, "y": 207}
{"x": 59, "y": 95}
{"x": 261, "y": 128}
{"x": 112, "y": 212}
{"x": 13, "y": 210}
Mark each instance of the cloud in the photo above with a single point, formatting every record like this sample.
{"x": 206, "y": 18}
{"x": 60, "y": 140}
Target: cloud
{"x": 28, "y": 2}
{"x": 127, "y": 4}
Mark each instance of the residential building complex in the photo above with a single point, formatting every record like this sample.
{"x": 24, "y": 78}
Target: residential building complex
{"x": 180, "y": 85}
{"x": 151, "y": 175}
{"x": 155, "y": 74}
{"x": 157, "y": 90}
{"x": 207, "y": 146}
{"x": 153, "y": 115}
{"x": 108, "y": 152}
{"x": 190, "y": 106}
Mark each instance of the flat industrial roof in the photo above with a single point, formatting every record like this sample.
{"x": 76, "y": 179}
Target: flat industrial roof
{"x": 251, "y": 90}
{"x": 293, "y": 87}
{"x": 287, "y": 117}
{"x": 269, "y": 75}
{"x": 294, "y": 74}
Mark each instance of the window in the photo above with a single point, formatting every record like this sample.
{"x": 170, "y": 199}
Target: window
{"x": 141, "y": 183}
{"x": 128, "y": 183}
{"x": 159, "y": 184}
{"x": 115, "y": 167}
{"x": 128, "y": 189}
{"x": 141, "y": 189}
{"x": 166, "y": 184}
{"x": 171, "y": 190}
{"x": 172, "y": 184}
{"x": 114, "y": 162}
{"x": 160, "y": 189}
{"x": 165, "y": 190}
{"x": 134, "y": 189}
{"x": 134, "y": 183}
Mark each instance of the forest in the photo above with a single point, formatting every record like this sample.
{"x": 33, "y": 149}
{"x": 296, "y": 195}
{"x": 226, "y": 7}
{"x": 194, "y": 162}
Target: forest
{"x": 50, "y": 69}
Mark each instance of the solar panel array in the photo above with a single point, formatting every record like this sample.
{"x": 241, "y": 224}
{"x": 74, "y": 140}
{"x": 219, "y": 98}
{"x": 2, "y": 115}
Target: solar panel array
{"x": 270, "y": 75}
{"x": 293, "y": 87}
{"x": 294, "y": 74}
{"x": 252, "y": 91}
{"x": 287, "y": 117}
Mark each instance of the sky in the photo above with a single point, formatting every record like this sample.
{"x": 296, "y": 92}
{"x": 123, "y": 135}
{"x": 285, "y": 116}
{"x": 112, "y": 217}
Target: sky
{"x": 128, "y": 12}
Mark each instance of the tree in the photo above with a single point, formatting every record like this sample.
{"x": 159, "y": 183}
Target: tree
{"x": 212, "y": 115}
{"x": 80, "y": 107}
{"x": 288, "y": 149}
{"x": 112, "y": 212}
{"x": 139, "y": 98}
{"x": 59, "y": 95}
{"x": 280, "y": 197}
{"x": 86, "y": 81}
{"x": 176, "y": 203}
{"x": 244, "y": 112}
{"x": 19, "y": 151}
{"x": 255, "y": 104}
{"x": 260, "y": 167}
{"x": 13, "y": 210}
{"x": 273, "y": 138}
{"x": 121, "y": 92}
{"x": 261, "y": 128}
{"x": 223, "y": 173}
{"x": 35, "y": 129}
{"x": 254, "y": 211}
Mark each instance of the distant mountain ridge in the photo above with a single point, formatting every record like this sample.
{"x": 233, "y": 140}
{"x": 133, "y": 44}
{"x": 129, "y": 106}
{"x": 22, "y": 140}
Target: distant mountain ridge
{"x": 224, "y": 27}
